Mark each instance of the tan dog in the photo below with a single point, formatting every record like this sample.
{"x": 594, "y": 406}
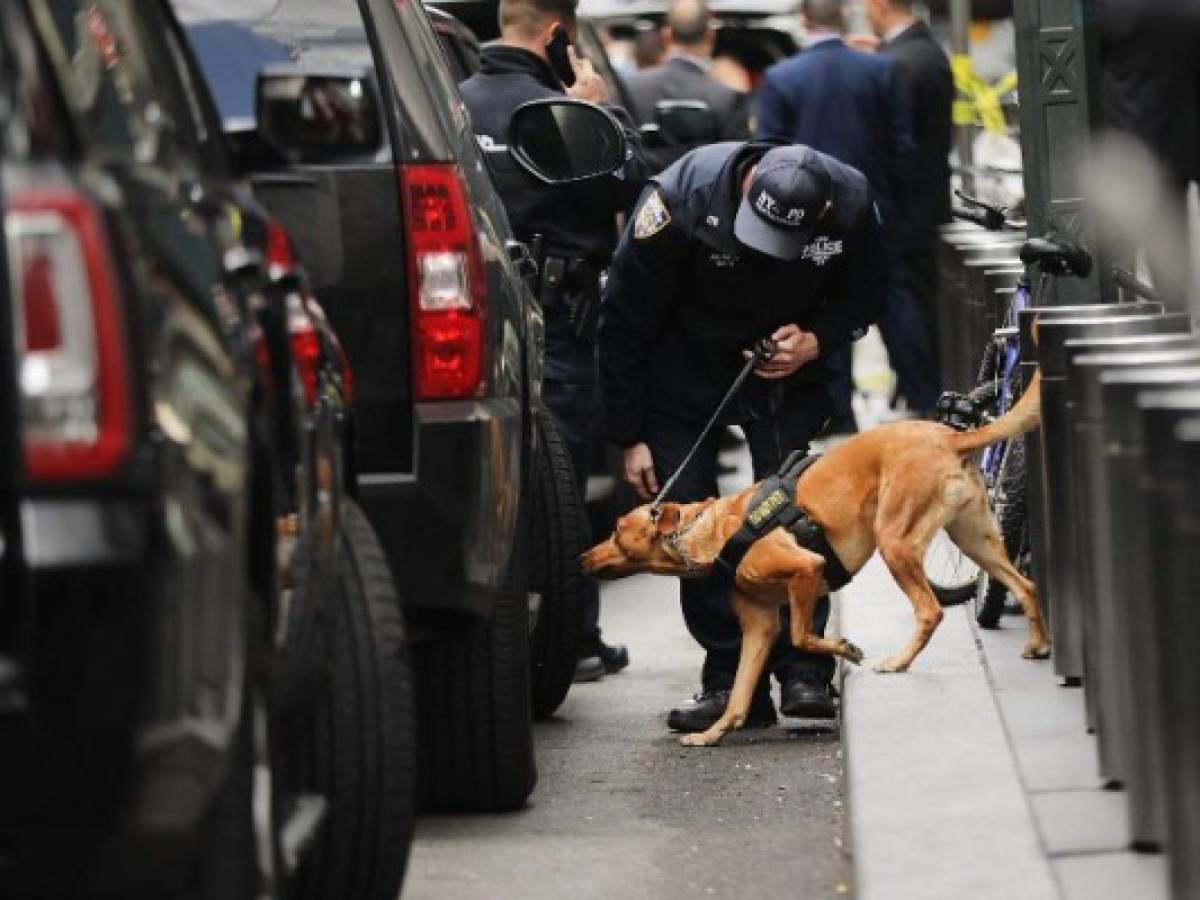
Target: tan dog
{"x": 891, "y": 488}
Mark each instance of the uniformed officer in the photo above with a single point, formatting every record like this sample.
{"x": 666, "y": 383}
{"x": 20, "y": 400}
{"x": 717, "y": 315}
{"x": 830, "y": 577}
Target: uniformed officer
{"x": 575, "y": 227}
{"x": 735, "y": 242}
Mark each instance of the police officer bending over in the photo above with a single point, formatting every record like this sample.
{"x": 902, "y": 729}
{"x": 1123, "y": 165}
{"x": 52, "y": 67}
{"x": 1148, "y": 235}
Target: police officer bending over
{"x": 735, "y": 242}
{"x": 575, "y": 227}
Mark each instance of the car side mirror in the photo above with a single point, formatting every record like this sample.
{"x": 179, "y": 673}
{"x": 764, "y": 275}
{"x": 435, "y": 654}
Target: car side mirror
{"x": 686, "y": 121}
{"x": 564, "y": 141}
{"x": 316, "y": 116}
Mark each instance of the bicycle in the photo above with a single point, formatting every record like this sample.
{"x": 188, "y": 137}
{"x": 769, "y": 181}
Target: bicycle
{"x": 953, "y": 576}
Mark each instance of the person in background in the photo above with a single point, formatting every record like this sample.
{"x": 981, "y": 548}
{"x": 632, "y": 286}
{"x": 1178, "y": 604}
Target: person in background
{"x": 577, "y": 230}
{"x": 854, "y": 107}
{"x": 648, "y": 46}
{"x": 925, "y": 70}
{"x": 690, "y": 40}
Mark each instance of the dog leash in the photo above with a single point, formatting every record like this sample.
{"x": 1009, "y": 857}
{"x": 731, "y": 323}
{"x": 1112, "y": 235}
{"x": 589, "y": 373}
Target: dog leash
{"x": 764, "y": 352}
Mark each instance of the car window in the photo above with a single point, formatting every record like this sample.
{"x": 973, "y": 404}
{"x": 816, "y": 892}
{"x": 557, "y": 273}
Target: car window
{"x": 234, "y": 39}
{"x": 104, "y": 56}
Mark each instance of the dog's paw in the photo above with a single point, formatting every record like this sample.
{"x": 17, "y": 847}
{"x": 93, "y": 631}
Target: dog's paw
{"x": 1036, "y": 651}
{"x": 891, "y": 665}
{"x": 699, "y": 740}
{"x": 850, "y": 652}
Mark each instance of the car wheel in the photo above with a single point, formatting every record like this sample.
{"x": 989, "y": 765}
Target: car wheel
{"x": 356, "y": 744}
{"x": 476, "y": 733}
{"x": 560, "y": 534}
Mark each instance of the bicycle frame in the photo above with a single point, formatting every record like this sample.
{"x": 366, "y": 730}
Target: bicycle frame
{"x": 1006, "y": 340}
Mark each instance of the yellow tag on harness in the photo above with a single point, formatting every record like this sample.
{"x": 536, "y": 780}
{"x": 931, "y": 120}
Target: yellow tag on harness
{"x": 772, "y": 504}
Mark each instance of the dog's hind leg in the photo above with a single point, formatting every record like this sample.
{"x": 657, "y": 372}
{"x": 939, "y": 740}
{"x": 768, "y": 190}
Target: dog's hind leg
{"x": 760, "y": 627}
{"x": 974, "y": 532}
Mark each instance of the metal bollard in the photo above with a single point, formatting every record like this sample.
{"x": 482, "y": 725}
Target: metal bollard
{"x": 1105, "y": 376}
{"x": 1171, "y": 490}
{"x": 1058, "y": 483}
{"x": 1034, "y": 500}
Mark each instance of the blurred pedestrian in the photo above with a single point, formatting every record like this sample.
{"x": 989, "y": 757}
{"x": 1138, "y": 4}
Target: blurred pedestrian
{"x": 690, "y": 38}
{"x": 925, "y": 70}
{"x": 735, "y": 242}
{"x": 648, "y": 46}
{"x": 576, "y": 228}
{"x": 853, "y": 106}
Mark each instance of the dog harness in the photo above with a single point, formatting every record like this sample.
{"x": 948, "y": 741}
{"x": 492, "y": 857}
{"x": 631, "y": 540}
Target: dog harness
{"x": 774, "y": 506}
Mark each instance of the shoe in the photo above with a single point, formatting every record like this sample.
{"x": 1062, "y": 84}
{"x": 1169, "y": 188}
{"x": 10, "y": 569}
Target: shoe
{"x": 588, "y": 668}
{"x": 806, "y": 700}
{"x": 707, "y": 707}
{"x": 614, "y": 657}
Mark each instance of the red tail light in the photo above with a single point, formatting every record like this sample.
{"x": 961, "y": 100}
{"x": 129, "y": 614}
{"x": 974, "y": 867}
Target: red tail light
{"x": 448, "y": 290}
{"x": 73, "y": 376}
{"x": 280, "y": 258}
{"x": 306, "y": 347}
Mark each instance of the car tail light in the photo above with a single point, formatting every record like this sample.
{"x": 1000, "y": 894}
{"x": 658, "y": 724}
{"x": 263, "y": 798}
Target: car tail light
{"x": 306, "y": 347}
{"x": 448, "y": 290}
{"x": 281, "y": 260}
{"x": 73, "y": 378}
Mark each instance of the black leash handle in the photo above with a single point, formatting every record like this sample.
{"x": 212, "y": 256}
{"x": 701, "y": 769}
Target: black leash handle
{"x": 764, "y": 351}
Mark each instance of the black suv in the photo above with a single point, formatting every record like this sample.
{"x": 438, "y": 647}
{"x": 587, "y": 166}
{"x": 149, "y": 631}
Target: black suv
{"x": 349, "y": 122}
{"x": 202, "y": 665}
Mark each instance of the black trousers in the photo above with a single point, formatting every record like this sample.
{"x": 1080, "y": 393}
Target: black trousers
{"x": 707, "y": 608}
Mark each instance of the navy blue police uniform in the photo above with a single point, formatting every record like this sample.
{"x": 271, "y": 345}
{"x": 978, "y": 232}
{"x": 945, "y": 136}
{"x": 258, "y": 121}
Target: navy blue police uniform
{"x": 684, "y": 298}
{"x": 574, "y": 225}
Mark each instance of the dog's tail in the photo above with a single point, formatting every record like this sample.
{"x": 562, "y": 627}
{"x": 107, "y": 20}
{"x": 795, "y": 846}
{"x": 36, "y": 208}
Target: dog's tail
{"x": 1021, "y": 418}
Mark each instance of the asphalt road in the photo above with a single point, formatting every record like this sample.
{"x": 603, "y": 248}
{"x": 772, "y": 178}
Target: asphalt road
{"x": 623, "y": 812}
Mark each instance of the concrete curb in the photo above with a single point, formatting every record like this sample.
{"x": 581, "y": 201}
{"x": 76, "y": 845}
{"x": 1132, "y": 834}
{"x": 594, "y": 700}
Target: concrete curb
{"x": 937, "y": 808}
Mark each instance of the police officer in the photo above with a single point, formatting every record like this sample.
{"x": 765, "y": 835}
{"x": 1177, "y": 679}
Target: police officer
{"x": 574, "y": 225}
{"x": 735, "y": 242}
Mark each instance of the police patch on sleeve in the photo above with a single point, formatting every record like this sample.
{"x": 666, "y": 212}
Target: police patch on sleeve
{"x": 652, "y": 216}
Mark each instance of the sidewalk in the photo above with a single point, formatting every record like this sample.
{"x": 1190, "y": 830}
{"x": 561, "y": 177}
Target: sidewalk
{"x": 972, "y": 776}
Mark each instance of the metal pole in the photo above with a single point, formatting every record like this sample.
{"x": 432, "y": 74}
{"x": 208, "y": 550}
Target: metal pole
{"x": 960, "y": 44}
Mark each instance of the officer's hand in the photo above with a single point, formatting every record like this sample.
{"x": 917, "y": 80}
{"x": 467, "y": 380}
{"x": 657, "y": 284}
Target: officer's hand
{"x": 588, "y": 85}
{"x": 793, "y": 350}
{"x": 639, "y": 470}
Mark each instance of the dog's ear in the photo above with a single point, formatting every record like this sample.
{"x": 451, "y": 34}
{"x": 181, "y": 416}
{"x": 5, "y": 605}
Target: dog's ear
{"x": 668, "y": 518}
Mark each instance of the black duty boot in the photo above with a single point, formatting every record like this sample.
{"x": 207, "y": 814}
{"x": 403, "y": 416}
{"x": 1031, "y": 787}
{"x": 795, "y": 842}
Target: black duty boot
{"x": 706, "y": 708}
{"x": 614, "y": 657}
{"x": 801, "y": 699}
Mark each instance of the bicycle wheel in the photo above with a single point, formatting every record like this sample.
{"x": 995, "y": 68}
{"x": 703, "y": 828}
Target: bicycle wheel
{"x": 1010, "y": 510}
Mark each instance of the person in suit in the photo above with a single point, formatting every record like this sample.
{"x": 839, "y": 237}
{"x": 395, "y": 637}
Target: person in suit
{"x": 854, "y": 107}
{"x": 691, "y": 39}
{"x": 925, "y": 71}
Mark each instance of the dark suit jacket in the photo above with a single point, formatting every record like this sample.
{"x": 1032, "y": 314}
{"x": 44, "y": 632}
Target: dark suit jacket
{"x": 926, "y": 73}
{"x": 680, "y": 78}
{"x": 848, "y": 104}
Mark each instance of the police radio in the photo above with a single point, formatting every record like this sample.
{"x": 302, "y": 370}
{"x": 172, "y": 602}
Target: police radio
{"x": 560, "y": 58}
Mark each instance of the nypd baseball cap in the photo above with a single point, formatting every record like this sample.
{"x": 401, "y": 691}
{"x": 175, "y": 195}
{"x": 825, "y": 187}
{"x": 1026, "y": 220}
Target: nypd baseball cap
{"x": 789, "y": 193}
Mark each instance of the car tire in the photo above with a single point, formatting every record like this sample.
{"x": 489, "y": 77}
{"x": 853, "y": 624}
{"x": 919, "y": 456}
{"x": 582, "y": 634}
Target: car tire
{"x": 474, "y": 722}
{"x": 357, "y": 746}
{"x": 560, "y": 534}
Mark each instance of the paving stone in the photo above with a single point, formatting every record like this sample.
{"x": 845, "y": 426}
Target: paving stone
{"x": 1058, "y": 762}
{"x": 1112, "y": 876}
{"x": 1082, "y": 821}
{"x": 1043, "y": 712}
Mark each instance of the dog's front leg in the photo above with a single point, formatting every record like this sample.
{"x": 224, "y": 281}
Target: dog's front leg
{"x": 760, "y": 627}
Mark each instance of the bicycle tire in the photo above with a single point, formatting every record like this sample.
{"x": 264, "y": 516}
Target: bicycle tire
{"x": 1012, "y": 520}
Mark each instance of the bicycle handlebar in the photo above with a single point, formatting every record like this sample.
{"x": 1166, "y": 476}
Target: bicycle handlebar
{"x": 993, "y": 218}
